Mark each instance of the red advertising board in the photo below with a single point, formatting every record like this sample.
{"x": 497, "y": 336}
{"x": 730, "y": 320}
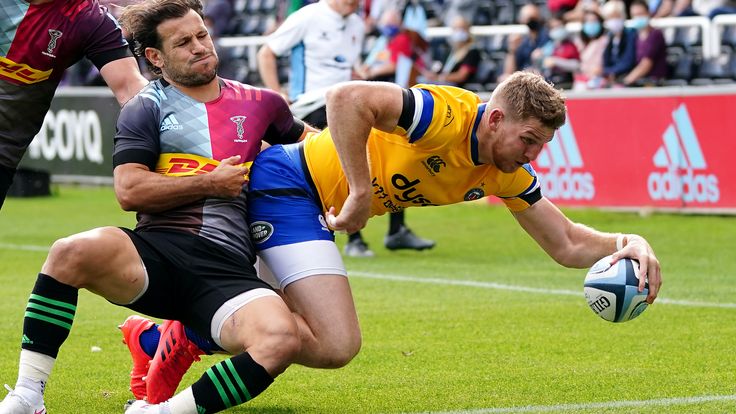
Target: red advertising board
{"x": 669, "y": 152}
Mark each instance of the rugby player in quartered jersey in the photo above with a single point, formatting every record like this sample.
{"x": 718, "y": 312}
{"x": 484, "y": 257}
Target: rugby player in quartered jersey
{"x": 38, "y": 41}
{"x": 175, "y": 135}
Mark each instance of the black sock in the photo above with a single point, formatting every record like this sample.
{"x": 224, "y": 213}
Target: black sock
{"x": 49, "y": 316}
{"x": 355, "y": 236}
{"x": 229, "y": 383}
{"x": 395, "y": 221}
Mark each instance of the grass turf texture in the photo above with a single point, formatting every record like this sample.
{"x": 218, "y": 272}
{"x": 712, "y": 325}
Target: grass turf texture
{"x": 431, "y": 346}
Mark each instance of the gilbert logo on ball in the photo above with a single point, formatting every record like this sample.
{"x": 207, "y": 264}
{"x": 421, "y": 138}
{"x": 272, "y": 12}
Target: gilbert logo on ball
{"x": 612, "y": 290}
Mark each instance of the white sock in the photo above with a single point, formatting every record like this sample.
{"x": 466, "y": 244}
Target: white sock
{"x": 35, "y": 365}
{"x": 183, "y": 403}
{"x": 30, "y": 390}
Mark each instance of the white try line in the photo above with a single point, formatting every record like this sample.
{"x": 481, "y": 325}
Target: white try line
{"x": 518, "y": 288}
{"x": 592, "y": 406}
{"x": 453, "y": 282}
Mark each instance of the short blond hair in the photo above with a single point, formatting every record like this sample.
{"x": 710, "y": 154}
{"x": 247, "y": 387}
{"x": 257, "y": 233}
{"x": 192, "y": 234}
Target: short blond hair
{"x": 526, "y": 94}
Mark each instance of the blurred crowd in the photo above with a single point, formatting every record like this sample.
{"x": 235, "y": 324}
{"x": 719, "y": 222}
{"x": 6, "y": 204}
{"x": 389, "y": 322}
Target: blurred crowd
{"x": 577, "y": 44}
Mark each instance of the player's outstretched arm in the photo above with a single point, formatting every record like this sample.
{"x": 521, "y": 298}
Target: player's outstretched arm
{"x": 353, "y": 108}
{"x": 576, "y": 245}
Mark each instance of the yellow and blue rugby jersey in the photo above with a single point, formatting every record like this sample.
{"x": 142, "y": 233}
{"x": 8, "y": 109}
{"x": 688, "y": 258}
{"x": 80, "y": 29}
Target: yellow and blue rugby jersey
{"x": 430, "y": 159}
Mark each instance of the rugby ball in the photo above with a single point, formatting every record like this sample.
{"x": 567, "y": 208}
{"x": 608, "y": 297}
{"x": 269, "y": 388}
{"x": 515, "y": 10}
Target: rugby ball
{"x": 612, "y": 290}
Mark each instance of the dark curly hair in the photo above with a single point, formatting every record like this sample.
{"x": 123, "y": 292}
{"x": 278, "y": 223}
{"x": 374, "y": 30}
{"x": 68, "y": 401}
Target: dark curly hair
{"x": 140, "y": 22}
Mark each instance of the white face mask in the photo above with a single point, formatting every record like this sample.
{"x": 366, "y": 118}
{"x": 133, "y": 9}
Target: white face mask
{"x": 614, "y": 25}
{"x": 459, "y": 36}
{"x": 558, "y": 34}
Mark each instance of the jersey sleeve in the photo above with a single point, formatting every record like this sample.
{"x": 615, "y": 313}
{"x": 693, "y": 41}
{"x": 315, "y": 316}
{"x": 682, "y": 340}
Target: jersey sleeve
{"x": 434, "y": 116}
{"x": 106, "y": 41}
{"x": 290, "y": 33}
{"x": 137, "y": 135}
{"x": 284, "y": 128}
{"x": 520, "y": 189}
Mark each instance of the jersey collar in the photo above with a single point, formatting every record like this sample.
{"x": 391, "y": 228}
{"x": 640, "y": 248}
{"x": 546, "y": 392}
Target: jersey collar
{"x": 474, "y": 137}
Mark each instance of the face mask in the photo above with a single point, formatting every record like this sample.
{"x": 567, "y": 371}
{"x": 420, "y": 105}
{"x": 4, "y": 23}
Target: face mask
{"x": 390, "y": 30}
{"x": 558, "y": 34}
{"x": 533, "y": 25}
{"x": 592, "y": 29}
{"x": 615, "y": 25}
{"x": 640, "y": 22}
{"x": 459, "y": 36}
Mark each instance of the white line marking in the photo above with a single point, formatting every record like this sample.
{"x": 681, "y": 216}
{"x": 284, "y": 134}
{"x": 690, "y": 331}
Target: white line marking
{"x": 517, "y": 288}
{"x": 452, "y": 282}
{"x": 28, "y": 247}
{"x": 592, "y": 406}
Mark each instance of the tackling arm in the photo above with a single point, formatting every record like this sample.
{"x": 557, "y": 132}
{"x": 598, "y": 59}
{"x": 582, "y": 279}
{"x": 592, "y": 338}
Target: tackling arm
{"x": 139, "y": 189}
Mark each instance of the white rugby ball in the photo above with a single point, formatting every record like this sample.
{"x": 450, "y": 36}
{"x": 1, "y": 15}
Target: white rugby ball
{"x": 612, "y": 290}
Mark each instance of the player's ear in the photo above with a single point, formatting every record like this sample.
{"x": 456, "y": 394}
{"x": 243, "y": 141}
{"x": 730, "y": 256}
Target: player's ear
{"x": 154, "y": 56}
{"x": 495, "y": 117}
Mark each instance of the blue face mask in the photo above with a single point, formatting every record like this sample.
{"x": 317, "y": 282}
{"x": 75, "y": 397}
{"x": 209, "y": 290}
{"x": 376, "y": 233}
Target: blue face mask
{"x": 640, "y": 22}
{"x": 592, "y": 29}
{"x": 390, "y": 30}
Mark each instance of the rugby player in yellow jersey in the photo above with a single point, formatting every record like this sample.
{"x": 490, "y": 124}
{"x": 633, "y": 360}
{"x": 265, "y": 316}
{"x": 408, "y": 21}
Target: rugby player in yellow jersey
{"x": 387, "y": 149}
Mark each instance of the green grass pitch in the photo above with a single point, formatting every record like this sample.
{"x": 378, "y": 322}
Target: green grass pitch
{"x": 484, "y": 323}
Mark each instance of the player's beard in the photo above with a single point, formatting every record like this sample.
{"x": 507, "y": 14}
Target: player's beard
{"x": 184, "y": 76}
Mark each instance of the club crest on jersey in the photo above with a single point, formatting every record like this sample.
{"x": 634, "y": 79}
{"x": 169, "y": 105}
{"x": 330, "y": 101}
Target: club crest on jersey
{"x": 260, "y": 231}
{"x": 238, "y": 120}
{"x": 474, "y": 194}
{"x": 54, "y": 35}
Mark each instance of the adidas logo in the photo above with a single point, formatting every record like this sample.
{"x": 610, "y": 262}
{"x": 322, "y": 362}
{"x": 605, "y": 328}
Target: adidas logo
{"x": 560, "y": 157}
{"x": 682, "y": 157}
{"x": 25, "y": 340}
{"x": 170, "y": 123}
{"x": 200, "y": 410}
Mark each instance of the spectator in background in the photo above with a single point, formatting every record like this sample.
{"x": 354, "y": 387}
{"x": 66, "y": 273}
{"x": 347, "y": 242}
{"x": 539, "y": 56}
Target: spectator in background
{"x": 559, "y": 58}
{"x": 709, "y": 8}
{"x": 520, "y": 47}
{"x": 463, "y": 60}
{"x": 465, "y": 8}
{"x": 395, "y": 45}
{"x": 325, "y": 40}
{"x": 651, "y": 49}
{"x": 219, "y": 13}
{"x": 592, "y": 45}
{"x": 620, "y": 54}
{"x": 560, "y": 7}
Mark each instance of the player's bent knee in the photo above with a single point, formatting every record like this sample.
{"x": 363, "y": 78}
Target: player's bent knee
{"x": 277, "y": 345}
{"x": 339, "y": 353}
{"x": 65, "y": 262}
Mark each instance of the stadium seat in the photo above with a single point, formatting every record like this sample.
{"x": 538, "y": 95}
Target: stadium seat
{"x": 505, "y": 12}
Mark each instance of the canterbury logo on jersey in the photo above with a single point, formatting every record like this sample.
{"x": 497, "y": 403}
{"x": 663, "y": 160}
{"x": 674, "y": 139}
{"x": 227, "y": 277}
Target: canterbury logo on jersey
{"x": 433, "y": 164}
{"x": 22, "y": 72}
{"x": 183, "y": 165}
{"x": 170, "y": 123}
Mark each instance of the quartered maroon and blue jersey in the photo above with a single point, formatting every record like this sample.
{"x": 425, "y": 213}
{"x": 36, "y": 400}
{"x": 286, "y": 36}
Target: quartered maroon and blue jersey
{"x": 173, "y": 134}
{"x": 37, "y": 43}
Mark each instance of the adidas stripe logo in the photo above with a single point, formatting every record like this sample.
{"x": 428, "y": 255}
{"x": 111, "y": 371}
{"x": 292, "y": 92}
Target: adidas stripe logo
{"x": 560, "y": 156}
{"x": 26, "y": 340}
{"x": 682, "y": 156}
{"x": 170, "y": 123}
